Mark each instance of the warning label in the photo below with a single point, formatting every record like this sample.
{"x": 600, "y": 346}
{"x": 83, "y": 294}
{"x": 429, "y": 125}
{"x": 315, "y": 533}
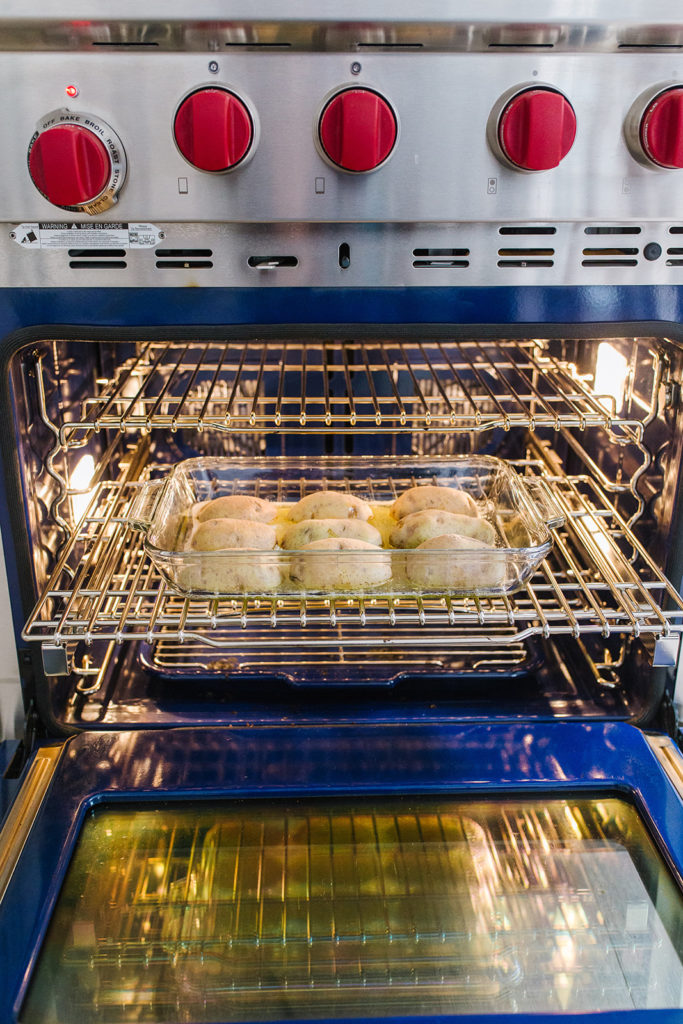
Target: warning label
{"x": 68, "y": 235}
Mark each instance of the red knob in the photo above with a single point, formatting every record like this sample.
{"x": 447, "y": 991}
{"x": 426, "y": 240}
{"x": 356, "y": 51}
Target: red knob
{"x": 69, "y": 165}
{"x": 358, "y": 129}
{"x": 661, "y": 129}
{"x": 213, "y": 129}
{"x": 537, "y": 129}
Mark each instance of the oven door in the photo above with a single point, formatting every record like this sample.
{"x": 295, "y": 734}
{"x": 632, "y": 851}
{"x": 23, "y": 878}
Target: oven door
{"x": 331, "y": 872}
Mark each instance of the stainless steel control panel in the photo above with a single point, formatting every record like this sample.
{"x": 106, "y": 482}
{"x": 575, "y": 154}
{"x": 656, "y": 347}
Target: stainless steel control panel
{"x": 442, "y": 167}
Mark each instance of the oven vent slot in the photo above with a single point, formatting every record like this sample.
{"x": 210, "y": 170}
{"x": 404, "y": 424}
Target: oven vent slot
{"x": 272, "y": 262}
{"x": 526, "y": 257}
{"x": 521, "y": 46}
{"x": 123, "y": 45}
{"x": 251, "y": 44}
{"x": 89, "y": 254}
{"x": 527, "y": 229}
{"x": 651, "y": 37}
{"x": 183, "y": 253}
{"x": 390, "y": 46}
{"x": 523, "y": 37}
{"x": 651, "y": 44}
{"x": 184, "y": 259}
{"x": 612, "y": 229}
{"x": 611, "y": 257}
{"x": 440, "y": 259}
{"x": 676, "y": 229}
{"x": 676, "y": 262}
{"x": 100, "y": 259}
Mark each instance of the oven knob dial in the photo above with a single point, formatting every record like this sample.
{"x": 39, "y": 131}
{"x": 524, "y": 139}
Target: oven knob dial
{"x": 77, "y": 161}
{"x": 214, "y": 130}
{"x": 660, "y": 129}
{"x": 532, "y": 129}
{"x": 357, "y": 130}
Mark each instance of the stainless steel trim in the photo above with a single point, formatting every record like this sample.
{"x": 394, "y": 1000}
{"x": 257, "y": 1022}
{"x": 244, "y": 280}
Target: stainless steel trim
{"x": 596, "y": 25}
{"x": 670, "y": 758}
{"x": 381, "y": 255}
{"x": 22, "y": 814}
{"x": 663, "y": 12}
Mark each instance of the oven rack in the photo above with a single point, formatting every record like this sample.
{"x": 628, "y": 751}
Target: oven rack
{"x": 597, "y": 580}
{"x": 172, "y": 659}
{"x": 392, "y": 386}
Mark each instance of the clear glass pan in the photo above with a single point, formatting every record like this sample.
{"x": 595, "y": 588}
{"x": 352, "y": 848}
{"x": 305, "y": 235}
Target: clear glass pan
{"x": 519, "y": 516}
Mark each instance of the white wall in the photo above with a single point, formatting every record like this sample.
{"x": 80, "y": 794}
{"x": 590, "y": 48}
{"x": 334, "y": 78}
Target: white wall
{"x": 11, "y": 710}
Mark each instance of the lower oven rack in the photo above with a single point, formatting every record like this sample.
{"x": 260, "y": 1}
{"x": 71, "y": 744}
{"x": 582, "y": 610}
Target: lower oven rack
{"x": 597, "y": 580}
{"x": 172, "y": 659}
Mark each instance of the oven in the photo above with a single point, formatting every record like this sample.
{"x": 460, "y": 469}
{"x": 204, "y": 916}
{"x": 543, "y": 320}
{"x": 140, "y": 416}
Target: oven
{"x": 351, "y": 250}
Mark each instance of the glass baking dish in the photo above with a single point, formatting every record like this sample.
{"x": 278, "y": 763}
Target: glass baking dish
{"x": 520, "y": 510}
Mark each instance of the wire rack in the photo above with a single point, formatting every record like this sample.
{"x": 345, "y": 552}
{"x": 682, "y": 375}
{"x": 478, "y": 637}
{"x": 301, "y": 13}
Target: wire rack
{"x": 171, "y": 658}
{"x": 598, "y": 579}
{"x": 390, "y": 386}
{"x": 213, "y": 913}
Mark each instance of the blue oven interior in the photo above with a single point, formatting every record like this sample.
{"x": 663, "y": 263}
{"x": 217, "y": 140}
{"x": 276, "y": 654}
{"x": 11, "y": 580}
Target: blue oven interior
{"x": 92, "y": 412}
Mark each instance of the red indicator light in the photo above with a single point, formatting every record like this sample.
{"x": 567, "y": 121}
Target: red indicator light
{"x": 72, "y": 90}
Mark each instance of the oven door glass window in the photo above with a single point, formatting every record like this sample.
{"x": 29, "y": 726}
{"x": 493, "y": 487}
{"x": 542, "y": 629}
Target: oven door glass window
{"x": 377, "y": 907}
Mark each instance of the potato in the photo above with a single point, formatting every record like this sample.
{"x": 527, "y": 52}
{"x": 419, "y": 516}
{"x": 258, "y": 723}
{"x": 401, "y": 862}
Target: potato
{"x": 250, "y": 567}
{"x": 355, "y": 566}
{"x": 473, "y": 567}
{"x": 255, "y": 572}
{"x": 308, "y": 530}
{"x": 418, "y": 527}
{"x": 237, "y": 506}
{"x": 219, "y": 534}
{"x": 450, "y": 499}
{"x": 330, "y": 505}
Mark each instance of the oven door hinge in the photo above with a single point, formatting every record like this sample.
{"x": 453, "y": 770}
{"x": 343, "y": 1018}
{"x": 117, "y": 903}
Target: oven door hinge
{"x": 671, "y": 389}
{"x": 26, "y": 744}
{"x": 672, "y": 394}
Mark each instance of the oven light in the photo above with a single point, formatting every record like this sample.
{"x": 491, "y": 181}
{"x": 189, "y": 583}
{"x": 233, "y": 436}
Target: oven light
{"x": 71, "y": 91}
{"x": 80, "y": 482}
{"x": 611, "y": 370}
